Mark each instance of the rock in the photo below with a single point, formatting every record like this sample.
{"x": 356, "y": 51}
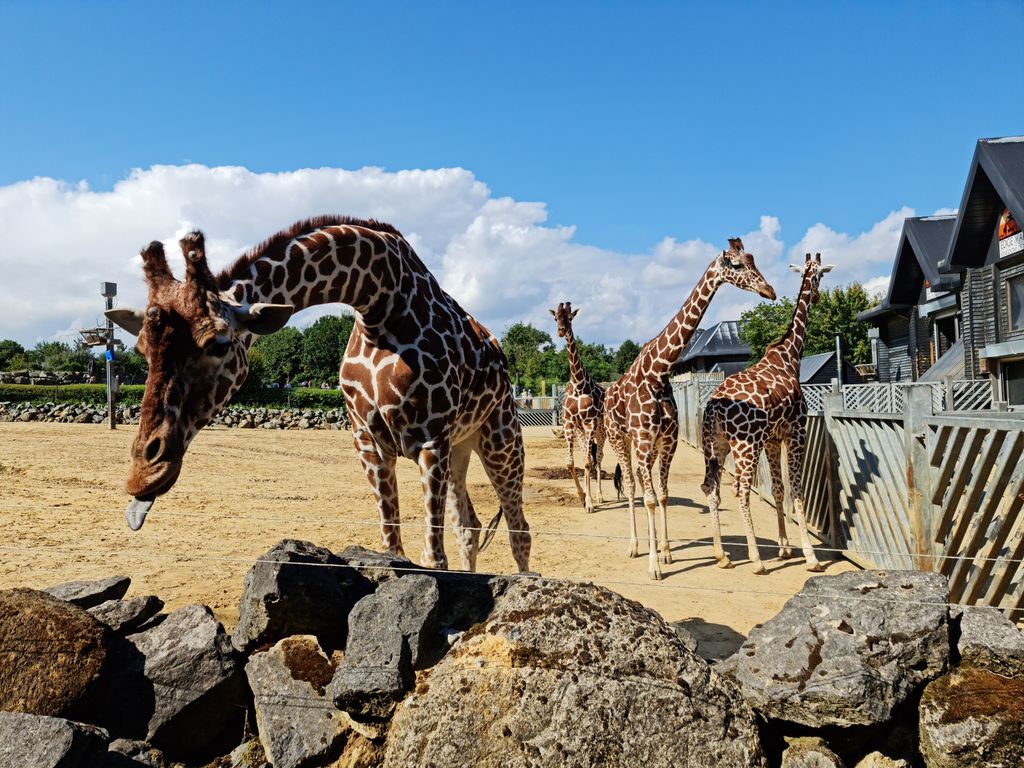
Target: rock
{"x": 248, "y": 754}
{"x": 36, "y": 741}
{"x": 972, "y": 717}
{"x": 810, "y": 752}
{"x": 132, "y": 753}
{"x": 989, "y": 640}
{"x": 195, "y": 678}
{"x": 390, "y": 634}
{"x": 87, "y": 594}
{"x": 572, "y": 675}
{"x": 297, "y": 588}
{"x": 52, "y": 655}
{"x": 878, "y": 760}
{"x": 847, "y": 649}
{"x": 685, "y": 636}
{"x": 376, "y": 567}
{"x": 297, "y": 722}
{"x": 127, "y": 615}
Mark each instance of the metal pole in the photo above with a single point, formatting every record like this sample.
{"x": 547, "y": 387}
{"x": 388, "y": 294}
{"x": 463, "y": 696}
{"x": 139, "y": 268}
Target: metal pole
{"x": 109, "y": 291}
{"x": 839, "y": 360}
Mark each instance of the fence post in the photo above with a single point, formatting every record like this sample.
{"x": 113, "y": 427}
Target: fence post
{"x": 918, "y": 410}
{"x": 950, "y": 394}
{"x": 832, "y": 404}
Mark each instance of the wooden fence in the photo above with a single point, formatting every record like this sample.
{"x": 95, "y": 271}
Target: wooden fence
{"x": 924, "y": 488}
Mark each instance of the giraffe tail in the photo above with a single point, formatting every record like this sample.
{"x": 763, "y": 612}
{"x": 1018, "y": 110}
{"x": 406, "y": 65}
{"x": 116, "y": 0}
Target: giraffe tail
{"x": 490, "y": 530}
{"x": 593, "y": 458}
{"x": 617, "y": 481}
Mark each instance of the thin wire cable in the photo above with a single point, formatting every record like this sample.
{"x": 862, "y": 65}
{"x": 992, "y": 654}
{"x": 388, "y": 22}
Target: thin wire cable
{"x": 737, "y": 545}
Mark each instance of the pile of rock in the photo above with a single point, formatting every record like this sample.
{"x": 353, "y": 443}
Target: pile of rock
{"x": 43, "y": 378}
{"x": 233, "y": 416}
{"x": 870, "y": 669}
{"x": 360, "y": 659}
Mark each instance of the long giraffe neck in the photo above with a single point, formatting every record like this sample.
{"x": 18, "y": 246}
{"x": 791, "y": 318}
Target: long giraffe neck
{"x": 661, "y": 353}
{"x": 365, "y": 269}
{"x": 576, "y": 371}
{"x": 791, "y": 346}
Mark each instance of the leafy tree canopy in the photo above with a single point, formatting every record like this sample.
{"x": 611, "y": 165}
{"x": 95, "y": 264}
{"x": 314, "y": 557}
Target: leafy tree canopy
{"x": 323, "y": 347}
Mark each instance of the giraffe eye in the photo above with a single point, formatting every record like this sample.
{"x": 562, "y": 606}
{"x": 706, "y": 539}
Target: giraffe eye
{"x": 733, "y": 265}
{"x": 218, "y": 348}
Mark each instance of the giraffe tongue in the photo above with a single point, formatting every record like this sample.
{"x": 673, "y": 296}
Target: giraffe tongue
{"x": 137, "y": 511}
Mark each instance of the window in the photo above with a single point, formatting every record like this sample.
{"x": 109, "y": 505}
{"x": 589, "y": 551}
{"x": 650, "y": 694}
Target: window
{"x": 1015, "y": 302}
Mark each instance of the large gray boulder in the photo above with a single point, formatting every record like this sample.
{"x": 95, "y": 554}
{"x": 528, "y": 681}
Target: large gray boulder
{"x": 391, "y": 633}
{"x": 847, "y": 649}
{"x": 190, "y": 681}
{"x": 125, "y": 616}
{"x": 132, "y": 753}
{"x": 572, "y": 675}
{"x": 989, "y": 640}
{"x": 53, "y": 655}
{"x": 86, "y": 594}
{"x": 810, "y": 752}
{"x": 297, "y": 588}
{"x": 298, "y": 724}
{"x": 972, "y": 718}
{"x": 37, "y": 741}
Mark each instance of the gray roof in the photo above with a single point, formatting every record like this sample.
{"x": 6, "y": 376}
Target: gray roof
{"x": 995, "y": 181}
{"x": 924, "y": 243}
{"x": 952, "y": 363}
{"x": 811, "y": 364}
{"x": 729, "y": 367}
{"x": 722, "y": 339}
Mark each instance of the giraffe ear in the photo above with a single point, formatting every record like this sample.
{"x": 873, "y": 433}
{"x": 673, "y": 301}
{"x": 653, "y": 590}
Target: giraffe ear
{"x": 796, "y": 268}
{"x": 264, "y": 318}
{"x": 574, "y": 313}
{"x": 553, "y": 313}
{"x": 827, "y": 268}
{"x": 129, "y": 319}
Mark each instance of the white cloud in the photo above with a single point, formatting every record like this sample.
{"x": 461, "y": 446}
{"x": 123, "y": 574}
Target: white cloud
{"x": 58, "y": 241}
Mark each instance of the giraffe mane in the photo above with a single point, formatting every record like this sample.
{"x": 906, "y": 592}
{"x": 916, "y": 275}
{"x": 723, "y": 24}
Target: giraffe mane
{"x": 280, "y": 240}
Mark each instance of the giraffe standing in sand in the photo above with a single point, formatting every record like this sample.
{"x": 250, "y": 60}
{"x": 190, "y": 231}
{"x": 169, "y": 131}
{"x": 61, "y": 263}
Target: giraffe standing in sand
{"x": 639, "y": 412}
{"x": 422, "y": 379}
{"x": 763, "y": 408}
{"x": 582, "y": 411}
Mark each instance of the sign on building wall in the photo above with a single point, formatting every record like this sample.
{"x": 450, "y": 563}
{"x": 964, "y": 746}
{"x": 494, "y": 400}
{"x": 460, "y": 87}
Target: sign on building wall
{"x": 1011, "y": 239}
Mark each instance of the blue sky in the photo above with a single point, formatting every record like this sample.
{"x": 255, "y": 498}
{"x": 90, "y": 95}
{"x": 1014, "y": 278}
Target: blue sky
{"x": 631, "y": 122}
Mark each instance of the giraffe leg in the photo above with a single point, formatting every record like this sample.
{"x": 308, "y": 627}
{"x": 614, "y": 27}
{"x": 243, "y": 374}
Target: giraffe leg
{"x": 570, "y": 434}
{"x": 665, "y": 455}
{"x": 380, "y": 471}
{"x": 746, "y": 455}
{"x": 645, "y": 457}
{"x": 500, "y": 447}
{"x": 795, "y": 452}
{"x": 598, "y": 455}
{"x": 459, "y": 509}
{"x": 773, "y": 452}
{"x": 619, "y": 442}
{"x": 588, "y": 465}
{"x": 434, "y": 461}
{"x": 715, "y": 452}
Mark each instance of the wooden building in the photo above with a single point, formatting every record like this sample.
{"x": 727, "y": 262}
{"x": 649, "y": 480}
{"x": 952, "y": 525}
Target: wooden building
{"x": 718, "y": 348}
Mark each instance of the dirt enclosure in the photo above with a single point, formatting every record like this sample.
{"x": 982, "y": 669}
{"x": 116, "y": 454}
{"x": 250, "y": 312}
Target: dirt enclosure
{"x": 241, "y": 491}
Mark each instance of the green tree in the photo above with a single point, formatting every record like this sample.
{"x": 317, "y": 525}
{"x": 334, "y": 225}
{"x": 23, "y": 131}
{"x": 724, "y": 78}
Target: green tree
{"x": 625, "y": 355}
{"x": 323, "y": 346}
{"x": 133, "y": 366}
{"x": 524, "y": 347}
{"x": 58, "y": 356}
{"x": 835, "y": 313}
{"x": 597, "y": 360}
{"x": 281, "y": 354}
{"x": 9, "y": 349}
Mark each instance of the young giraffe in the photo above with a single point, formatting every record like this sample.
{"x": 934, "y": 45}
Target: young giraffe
{"x": 422, "y": 379}
{"x": 763, "y": 408}
{"x": 639, "y": 412}
{"x": 582, "y": 411}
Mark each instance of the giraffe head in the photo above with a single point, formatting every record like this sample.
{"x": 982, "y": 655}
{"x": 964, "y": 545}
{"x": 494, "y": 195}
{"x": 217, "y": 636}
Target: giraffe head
{"x": 736, "y": 267}
{"x": 195, "y": 341}
{"x": 812, "y": 270}
{"x": 564, "y": 316}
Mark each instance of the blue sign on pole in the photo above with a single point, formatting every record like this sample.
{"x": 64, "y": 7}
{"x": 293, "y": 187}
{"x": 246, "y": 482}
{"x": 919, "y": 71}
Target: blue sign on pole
{"x": 109, "y": 355}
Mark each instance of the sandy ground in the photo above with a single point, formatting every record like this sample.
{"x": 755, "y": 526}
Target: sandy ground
{"x": 241, "y": 491}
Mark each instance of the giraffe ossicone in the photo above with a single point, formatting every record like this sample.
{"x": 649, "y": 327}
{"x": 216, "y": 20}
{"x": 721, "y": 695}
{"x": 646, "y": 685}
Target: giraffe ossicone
{"x": 421, "y": 377}
{"x": 582, "y": 411}
{"x": 762, "y": 409}
{"x": 640, "y": 413}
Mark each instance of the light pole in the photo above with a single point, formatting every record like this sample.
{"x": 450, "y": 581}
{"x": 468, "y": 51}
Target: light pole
{"x": 109, "y": 291}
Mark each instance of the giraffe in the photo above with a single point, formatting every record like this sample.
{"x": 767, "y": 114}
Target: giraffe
{"x": 763, "y": 408}
{"x": 639, "y": 412}
{"x": 582, "y": 411}
{"x": 421, "y": 377}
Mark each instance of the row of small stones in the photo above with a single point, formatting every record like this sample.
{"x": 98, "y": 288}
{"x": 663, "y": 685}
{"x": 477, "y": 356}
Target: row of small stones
{"x": 232, "y": 416}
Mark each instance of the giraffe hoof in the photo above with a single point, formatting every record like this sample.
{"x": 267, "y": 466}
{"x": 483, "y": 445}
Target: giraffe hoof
{"x": 725, "y": 562}
{"x": 785, "y": 553}
{"x": 633, "y": 551}
{"x": 666, "y": 557}
{"x": 656, "y": 575}
{"x": 759, "y": 569}
{"x": 815, "y": 566}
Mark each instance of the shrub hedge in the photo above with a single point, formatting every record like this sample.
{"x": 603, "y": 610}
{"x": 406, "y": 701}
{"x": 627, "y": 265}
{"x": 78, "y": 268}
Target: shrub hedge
{"x": 96, "y": 394}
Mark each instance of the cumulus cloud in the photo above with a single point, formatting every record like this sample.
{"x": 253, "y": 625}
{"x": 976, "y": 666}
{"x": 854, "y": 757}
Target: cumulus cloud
{"x": 497, "y": 256}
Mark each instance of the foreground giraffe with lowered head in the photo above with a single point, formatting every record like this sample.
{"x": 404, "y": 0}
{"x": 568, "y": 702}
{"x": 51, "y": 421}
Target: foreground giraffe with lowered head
{"x": 422, "y": 379}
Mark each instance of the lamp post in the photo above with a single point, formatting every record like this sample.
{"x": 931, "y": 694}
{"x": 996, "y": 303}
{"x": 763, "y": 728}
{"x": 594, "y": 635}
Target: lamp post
{"x": 109, "y": 291}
